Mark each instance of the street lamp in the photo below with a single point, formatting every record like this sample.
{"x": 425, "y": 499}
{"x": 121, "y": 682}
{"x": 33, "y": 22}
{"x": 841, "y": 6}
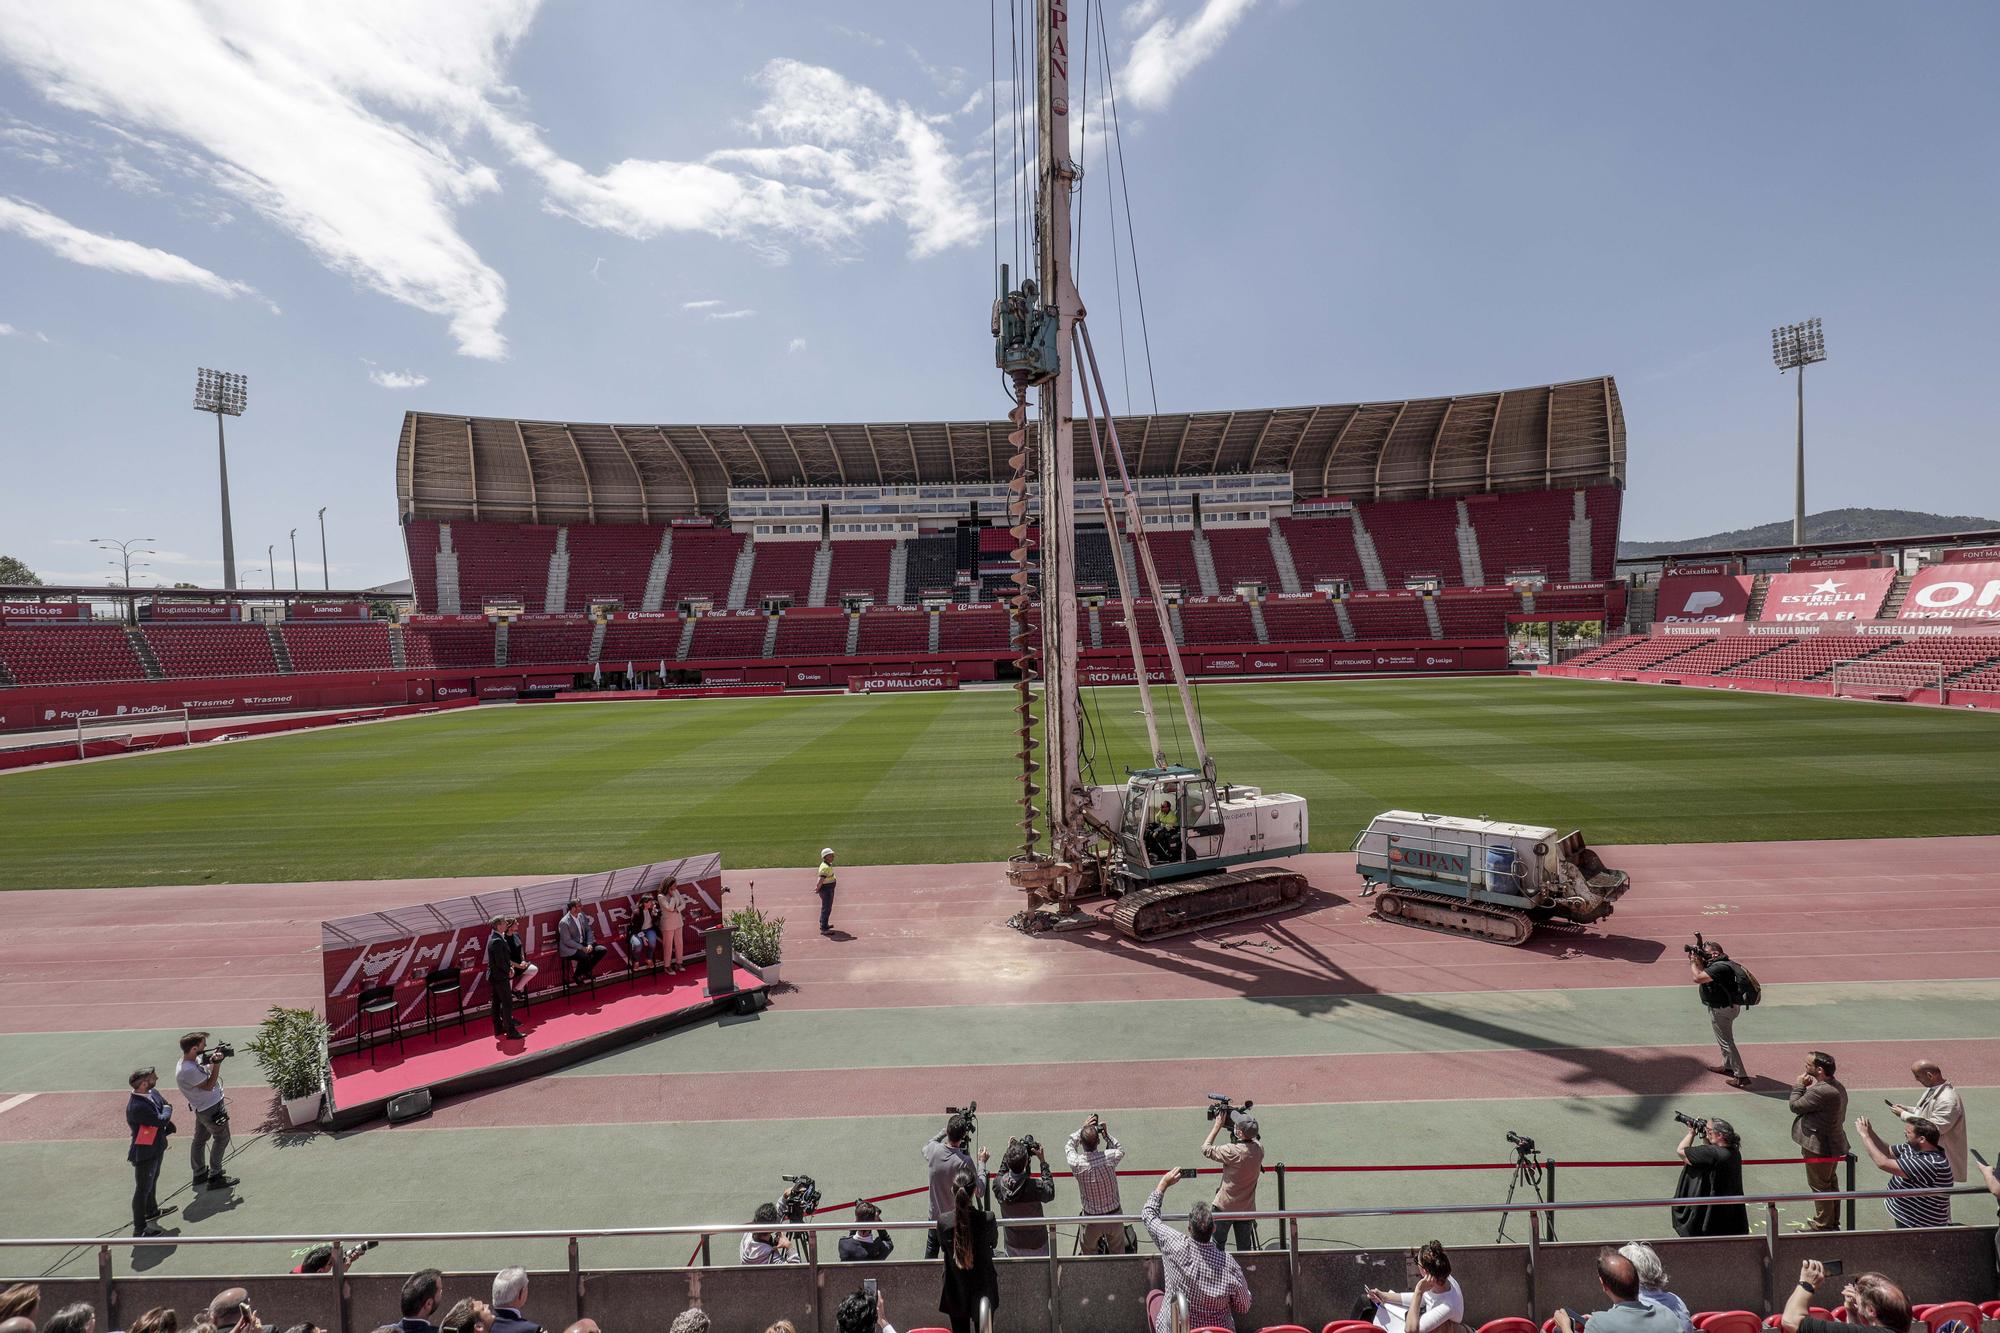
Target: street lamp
{"x": 126, "y": 550}
{"x": 226, "y": 394}
{"x": 1794, "y": 347}
{"x": 325, "y": 579}
{"x": 271, "y": 563}
{"x": 295, "y": 559}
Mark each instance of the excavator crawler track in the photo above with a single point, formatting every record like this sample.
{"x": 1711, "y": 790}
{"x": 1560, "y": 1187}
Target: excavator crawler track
{"x": 1454, "y": 916}
{"x": 1160, "y": 910}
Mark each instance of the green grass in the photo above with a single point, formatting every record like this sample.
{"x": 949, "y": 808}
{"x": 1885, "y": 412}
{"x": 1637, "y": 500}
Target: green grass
{"x": 930, "y": 779}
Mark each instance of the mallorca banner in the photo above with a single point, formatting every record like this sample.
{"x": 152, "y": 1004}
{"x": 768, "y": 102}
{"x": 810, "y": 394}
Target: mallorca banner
{"x": 1848, "y": 594}
{"x": 1960, "y": 591}
{"x": 1703, "y": 598}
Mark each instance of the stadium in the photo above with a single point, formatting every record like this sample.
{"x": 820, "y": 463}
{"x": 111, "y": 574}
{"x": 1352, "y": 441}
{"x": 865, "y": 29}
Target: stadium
{"x": 1017, "y": 685}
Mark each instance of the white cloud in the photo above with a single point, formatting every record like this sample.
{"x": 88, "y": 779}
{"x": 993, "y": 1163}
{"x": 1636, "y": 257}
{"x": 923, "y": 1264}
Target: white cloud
{"x": 730, "y": 314}
{"x": 71, "y": 242}
{"x": 9, "y": 331}
{"x": 399, "y": 379}
{"x": 700, "y": 305}
{"x": 1140, "y": 12}
{"x": 796, "y": 345}
{"x": 1170, "y": 49}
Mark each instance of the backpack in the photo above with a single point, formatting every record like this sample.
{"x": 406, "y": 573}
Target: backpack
{"x": 1748, "y": 990}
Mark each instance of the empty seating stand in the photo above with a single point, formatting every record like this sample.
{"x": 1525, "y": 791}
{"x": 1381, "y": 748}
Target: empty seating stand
{"x": 782, "y": 569}
{"x": 811, "y": 636}
{"x": 641, "y": 640}
{"x": 69, "y": 654}
{"x": 1301, "y": 622}
{"x": 1112, "y": 621}
{"x": 1477, "y": 614}
{"x": 1523, "y": 531}
{"x": 1219, "y": 622}
{"x": 859, "y": 566}
{"x": 334, "y": 647}
{"x": 703, "y": 561}
{"x": 1322, "y": 548}
{"x": 1173, "y": 558}
{"x": 728, "y": 637}
{"x": 608, "y": 562}
{"x": 932, "y": 562}
{"x": 894, "y": 632}
{"x": 1389, "y": 618}
{"x": 502, "y": 562}
{"x": 1242, "y": 555}
{"x": 1722, "y": 653}
{"x": 420, "y": 539}
{"x": 982, "y": 630}
{"x": 448, "y": 646}
{"x": 189, "y": 651}
{"x": 1414, "y": 537}
{"x": 552, "y": 642}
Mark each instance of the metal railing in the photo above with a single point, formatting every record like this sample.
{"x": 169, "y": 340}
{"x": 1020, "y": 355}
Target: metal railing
{"x": 1290, "y": 1247}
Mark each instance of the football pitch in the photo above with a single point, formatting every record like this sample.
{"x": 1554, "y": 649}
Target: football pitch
{"x": 931, "y": 778}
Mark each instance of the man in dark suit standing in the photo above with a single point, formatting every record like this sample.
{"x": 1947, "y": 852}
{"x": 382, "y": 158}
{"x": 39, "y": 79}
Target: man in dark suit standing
{"x": 1819, "y": 1111}
{"x": 576, "y": 941}
{"x": 150, "y": 1119}
{"x": 500, "y": 979}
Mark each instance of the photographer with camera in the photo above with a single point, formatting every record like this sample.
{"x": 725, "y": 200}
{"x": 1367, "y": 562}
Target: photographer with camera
{"x": 1093, "y": 1157}
{"x": 1713, "y": 1153}
{"x": 944, "y": 1157}
{"x": 199, "y": 1077}
{"x": 767, "y": 1247}
{"x": 1242, "y": 1160}
{"x": 1725, "y": 988}
{"x": 869, "y": 1245}
{"x": 1021, "y": 1193}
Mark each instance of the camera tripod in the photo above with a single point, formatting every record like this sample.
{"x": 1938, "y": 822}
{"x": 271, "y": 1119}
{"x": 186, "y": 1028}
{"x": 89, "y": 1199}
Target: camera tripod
{"x": 1527, "y": 1171}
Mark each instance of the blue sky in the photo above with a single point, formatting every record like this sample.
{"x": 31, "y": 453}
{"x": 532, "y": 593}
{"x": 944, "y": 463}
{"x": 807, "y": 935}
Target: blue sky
{"x": 780, "y": 211}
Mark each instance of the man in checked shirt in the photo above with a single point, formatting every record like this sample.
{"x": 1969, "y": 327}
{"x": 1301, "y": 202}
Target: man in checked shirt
{"x": 1194, "y": 1266}
{"x": 1093, "y": 1157}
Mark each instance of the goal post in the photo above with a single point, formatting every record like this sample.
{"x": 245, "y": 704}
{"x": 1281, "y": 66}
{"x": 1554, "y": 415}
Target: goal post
{"x": 130, "y": 727}
{"x": 1898, "y": 679}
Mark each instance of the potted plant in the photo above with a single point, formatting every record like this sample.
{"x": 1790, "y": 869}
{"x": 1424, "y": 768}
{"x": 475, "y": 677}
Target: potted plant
{"x": 291, "y": 1050}
{"x": 760, "y": 940}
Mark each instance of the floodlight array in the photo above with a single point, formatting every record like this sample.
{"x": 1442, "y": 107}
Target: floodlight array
{"x": 221, "y": 391}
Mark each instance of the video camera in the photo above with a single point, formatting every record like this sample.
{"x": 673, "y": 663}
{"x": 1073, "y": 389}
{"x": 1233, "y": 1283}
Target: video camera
{"x": 319, "y": 1258}
{"x": 1219, "y": 1105}
{"x": 800, "y": 1199}
{"x": 1523, "y": 1145}
{"x": 1700, "y": 1127}
{"x": 222, "y": 1050}
{"x": 1029, "y": 1144}
{"x": 971, "y": 1113}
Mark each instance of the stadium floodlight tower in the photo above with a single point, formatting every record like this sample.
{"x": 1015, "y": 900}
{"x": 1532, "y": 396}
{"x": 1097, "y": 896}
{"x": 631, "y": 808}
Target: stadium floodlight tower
{"x": 1794, "y": 347}
{"x": 226, "y": 394}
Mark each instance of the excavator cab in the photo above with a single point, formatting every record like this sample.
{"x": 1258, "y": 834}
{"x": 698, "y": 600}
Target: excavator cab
{"x": 1169, "y": 819}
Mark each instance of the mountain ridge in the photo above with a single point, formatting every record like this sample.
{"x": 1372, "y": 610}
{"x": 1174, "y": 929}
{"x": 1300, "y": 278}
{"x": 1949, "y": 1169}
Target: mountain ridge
{"x": 1829, "y": 525}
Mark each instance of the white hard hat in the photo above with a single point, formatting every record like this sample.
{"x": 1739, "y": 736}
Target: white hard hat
{"x": 825, "y": 852}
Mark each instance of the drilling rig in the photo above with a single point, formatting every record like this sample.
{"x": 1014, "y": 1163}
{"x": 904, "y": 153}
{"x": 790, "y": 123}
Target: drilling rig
{"x": 1173, "y": 843}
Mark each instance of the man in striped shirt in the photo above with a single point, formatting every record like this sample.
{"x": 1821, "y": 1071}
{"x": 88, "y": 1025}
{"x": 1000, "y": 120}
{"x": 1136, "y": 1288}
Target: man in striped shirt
{"x": 1194, "y": 1266}
{"x": 1918, "y": 1163}
{"x": 1093, "y": 1157}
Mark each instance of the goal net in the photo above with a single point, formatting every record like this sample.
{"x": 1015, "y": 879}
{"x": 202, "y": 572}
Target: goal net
{"x": 132, "y": 730}
{"x": 1886, "y": 680}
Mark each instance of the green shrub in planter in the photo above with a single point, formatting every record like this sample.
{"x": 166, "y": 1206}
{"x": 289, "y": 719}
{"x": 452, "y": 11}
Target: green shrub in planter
{"x": 291, "y": 1050}
{"x": 759, "y": 938}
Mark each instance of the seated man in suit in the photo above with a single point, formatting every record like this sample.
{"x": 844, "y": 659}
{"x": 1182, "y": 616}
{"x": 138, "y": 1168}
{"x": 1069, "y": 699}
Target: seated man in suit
{"x": 510, "y": 1293}
{"x": 576, "y": 941}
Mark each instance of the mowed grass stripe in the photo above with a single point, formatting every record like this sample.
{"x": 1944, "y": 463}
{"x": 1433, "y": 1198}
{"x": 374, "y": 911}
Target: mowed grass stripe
{"x": 559, "y": 789}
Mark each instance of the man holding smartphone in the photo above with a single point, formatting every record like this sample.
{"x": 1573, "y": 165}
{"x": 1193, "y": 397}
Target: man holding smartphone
{"x": 864, "y": 1311}
{"x": 1870, "y": 1299}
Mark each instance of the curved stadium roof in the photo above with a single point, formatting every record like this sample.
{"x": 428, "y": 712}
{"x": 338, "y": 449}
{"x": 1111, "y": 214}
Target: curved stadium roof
{"x": 506, "y": 470}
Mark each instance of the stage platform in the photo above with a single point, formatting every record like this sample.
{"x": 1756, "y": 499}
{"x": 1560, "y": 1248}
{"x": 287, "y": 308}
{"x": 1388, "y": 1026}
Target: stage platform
{"x": 555, "y": 1032}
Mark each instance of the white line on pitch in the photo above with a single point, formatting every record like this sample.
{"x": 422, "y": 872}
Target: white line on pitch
{"x": 16, "y": 1100}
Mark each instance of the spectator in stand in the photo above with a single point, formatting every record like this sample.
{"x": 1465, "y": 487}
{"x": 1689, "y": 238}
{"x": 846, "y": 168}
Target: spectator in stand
{"x": 861, "y": 1313}
{"x": 944, "y": 1157}
{"x": 510, "y": 1293}
{"x": 1941, "y": 1106}
{"x": 157, "y": 1320}
{"x": 1991, "y": 1179}
{"x": 1434, "y": 1303}
{"x": 1627, "y": 1313}
{"x": 576, "y": 941}
{"x": 421, "y": 1293}
{"x": 468, "y": 1316}
{"x": 1721, "y": 988}
{"x": 1242, "y": 1161}
{"x": 866, "y": 1246}
{"x": 782, "y": 1326}
{"x": 1869, "y": 1298}
{"x": 1093, "y": 1157}
{"x": 1653, "y": 1282}
{"x": 642, "y": 932}
{"x": 1917, "y": 1163}
{"x": 584, "y": 1326}
{"x": 20, "y": 1301}
{"x": 692, "y": 1320}
{"x": 307, "y": 1327}
{"x": 1193, "y": 1266}
{"x": 231, "y": 1310}
{"x": 1714, "y": 1170}
{"x": 969, "y": 1276}
{"x": 78, "y": 1318}
{"x": 767, "y": 1247}
{"x": 1021, "y": 1194}
{"x": 1819, "y": 1114}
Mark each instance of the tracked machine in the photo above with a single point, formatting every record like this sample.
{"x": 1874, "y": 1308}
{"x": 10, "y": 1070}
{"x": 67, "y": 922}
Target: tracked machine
{"x": 1174, "y": 844}
{"x": 1482, "y": 877}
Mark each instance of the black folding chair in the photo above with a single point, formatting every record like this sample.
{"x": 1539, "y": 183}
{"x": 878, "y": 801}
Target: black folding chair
{"x": 443, "y": 981}
{"x": 377, "y": 1004}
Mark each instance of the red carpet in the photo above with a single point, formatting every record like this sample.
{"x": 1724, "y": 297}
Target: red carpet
{"x": 554, "y": 1030}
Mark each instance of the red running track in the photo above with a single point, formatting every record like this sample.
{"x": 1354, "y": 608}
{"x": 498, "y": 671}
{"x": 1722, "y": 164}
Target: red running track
{"x": 113, "y": 959}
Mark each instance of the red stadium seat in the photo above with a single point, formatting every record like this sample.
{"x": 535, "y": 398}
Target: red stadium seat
{"x": 1776, "y": 1320}
{"x": 1363, "y": 1326}
{"x": 1990, "y": 1309}
{"x": 1284, "y": 1328}
{"x": 1964, "y": 1311}
{"x": 1728, "y": 1321}
{"x": 1513, "y": 1323}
